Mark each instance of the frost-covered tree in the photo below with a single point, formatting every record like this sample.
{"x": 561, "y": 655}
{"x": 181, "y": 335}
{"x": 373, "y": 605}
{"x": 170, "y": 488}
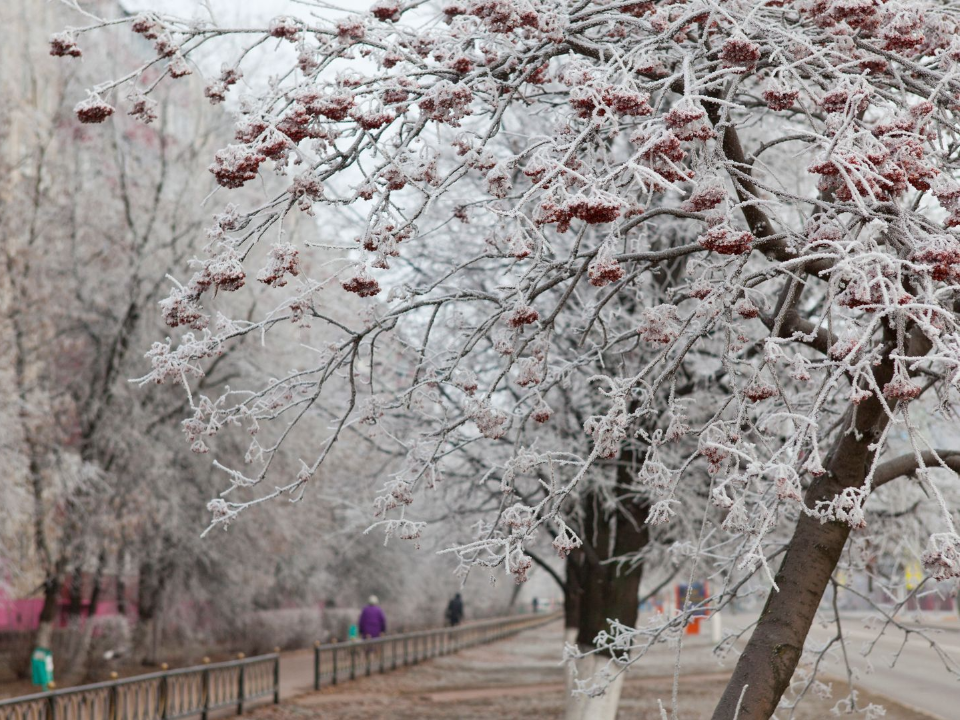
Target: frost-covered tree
{"x": 723, "y": 232}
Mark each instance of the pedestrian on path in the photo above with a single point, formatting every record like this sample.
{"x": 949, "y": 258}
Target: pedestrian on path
{"x": 455, "y": 610}
{"x": 372, "y": 623}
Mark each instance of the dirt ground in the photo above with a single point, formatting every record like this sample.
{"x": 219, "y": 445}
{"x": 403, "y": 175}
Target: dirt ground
{"x": 520, "y": 679}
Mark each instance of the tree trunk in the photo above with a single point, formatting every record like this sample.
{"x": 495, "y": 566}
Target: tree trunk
{"x": 146, "y": 611}
{"x": 52, "y": 587}
{"x": 75, "y": 606}
{"x": 87, "y": 638}
{"x": 121, "y": 585}
{"x": 609, "y": 590}
{"x": 601, "y": 591}
{"x": 572, "y": 592}
{"x": 767, "y": 664}
{"x": 152, "y": 581}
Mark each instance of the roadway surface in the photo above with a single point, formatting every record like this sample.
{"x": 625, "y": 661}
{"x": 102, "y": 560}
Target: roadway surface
{"x": 919, "y": 679}
{"x": 521, "y": 678}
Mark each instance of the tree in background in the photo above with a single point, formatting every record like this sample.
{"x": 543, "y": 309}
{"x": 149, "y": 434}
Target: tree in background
{"x": 754, "y": 202}
{"x": 99, "y": 489}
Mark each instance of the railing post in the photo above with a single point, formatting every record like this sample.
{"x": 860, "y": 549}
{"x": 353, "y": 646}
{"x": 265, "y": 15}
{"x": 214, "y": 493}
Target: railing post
{"x": 163, "y": 695}
{"x": 353, "y": 662}
{"x": 51, "y": 704}
{"x": 206, "y": 690}
{"x": 240, "y": 684}
{"x": 383, "y": 655}
{"x": 276, "y": 677}
{"x": 316, "y": 665}
{"x": 334, "y": 661}
{"x": 112, "y": 697}
{"x": 368, "y": 649}
{"x": 405, "y": 651}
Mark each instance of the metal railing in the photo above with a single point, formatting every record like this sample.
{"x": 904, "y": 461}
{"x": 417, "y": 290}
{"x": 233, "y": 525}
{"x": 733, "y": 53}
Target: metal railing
{"x": 335, "y": 662}
{"x": 165, "y": 695}
{"x": 200, "y": 690}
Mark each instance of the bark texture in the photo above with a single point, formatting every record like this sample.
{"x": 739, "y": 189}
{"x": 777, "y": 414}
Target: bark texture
{"x": 608, "y": 590}
{"x": 768, "y": 662}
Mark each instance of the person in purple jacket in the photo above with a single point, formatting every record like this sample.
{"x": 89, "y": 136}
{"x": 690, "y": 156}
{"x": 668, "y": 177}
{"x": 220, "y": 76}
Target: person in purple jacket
{"x": 372, "y": 623}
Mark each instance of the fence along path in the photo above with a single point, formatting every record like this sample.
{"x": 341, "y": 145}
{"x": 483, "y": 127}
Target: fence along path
{"x": 231, "y": 686}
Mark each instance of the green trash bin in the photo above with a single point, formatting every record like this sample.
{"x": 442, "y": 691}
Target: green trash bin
{"x": 41, "y": 667}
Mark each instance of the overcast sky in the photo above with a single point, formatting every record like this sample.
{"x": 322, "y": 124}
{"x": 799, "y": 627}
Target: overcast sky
{"x": 234, "y": 11}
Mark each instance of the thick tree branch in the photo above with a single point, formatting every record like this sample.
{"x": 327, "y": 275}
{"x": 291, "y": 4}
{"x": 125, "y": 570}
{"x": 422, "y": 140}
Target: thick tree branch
{"x": 908, "y": 464}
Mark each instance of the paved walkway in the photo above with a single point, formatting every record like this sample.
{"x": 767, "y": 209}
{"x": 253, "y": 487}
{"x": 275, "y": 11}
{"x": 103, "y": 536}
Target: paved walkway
{"x": 519, "y": 678}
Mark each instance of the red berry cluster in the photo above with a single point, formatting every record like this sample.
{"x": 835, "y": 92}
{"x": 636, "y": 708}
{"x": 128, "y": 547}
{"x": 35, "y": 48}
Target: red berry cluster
{"x": 687, "y": 123}
{"x": 857, "y": 14}
{"x": 942, "y": 560}
{"x": 386, "y": 10}
{"x": 446, "y": 103}
{"x": 604, "y": 270}
{"x": 498, "y": 181}
{"x": 222, "y": 271}
{"x": 143, "y": 109}
{"x": 662, "y": 153}
{"x": 590, "y": 102}
{"x": 715, "y": 456}
{"x": 283, "y": 260}
{"x": 461, "y": 65}
{"x": 93, "y": 110}
{"x": 551, "y": 212}
{"x": 147, "y": 26}
{"x": 216, "y": 92}
{"x": 705, "y": 197}
{"x": 838, "y": 100}
{"x": 948, "y": 193}
{"x": 522, "y": 315}
{"x": 901, "y": 388}
{"x": 904, "y": 33}
{"x": 235, "y": 165}
{"x": 298, "y": 123}
{"x": 943, "y": 256}
{"x": 659, "y": 325}
{"x": 869, "y": 297}
{"x": 638, "y": 9}
{"x": 739, "y": 54}
{"x": 755, "y": 392}
{"x": 541, "y": 413}
{"x": 385, "y": 238}
{"x": 64, "y": 45}
{"x": 334, "y": 107}
{"x": 779, "y": 97}
{"x": 724, "y": 240}
{"x": 307, "y": 189}
{"x": 500, "y": 16}
{"x": 181, "y": 309}
{"x": 361, "y": 284}
{"x": 394, "y": 96}
{"x": 594, "y": 210}
{"x": 350, "y": 31}
{"x": 746, "y": 309}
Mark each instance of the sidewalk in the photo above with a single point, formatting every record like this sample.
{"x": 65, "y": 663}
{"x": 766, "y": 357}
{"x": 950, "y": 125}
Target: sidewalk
{"x": 520, "y": 679}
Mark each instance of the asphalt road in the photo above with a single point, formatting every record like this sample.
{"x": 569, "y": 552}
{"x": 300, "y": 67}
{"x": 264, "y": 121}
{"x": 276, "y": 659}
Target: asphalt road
{"x": 919, "y": 679}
